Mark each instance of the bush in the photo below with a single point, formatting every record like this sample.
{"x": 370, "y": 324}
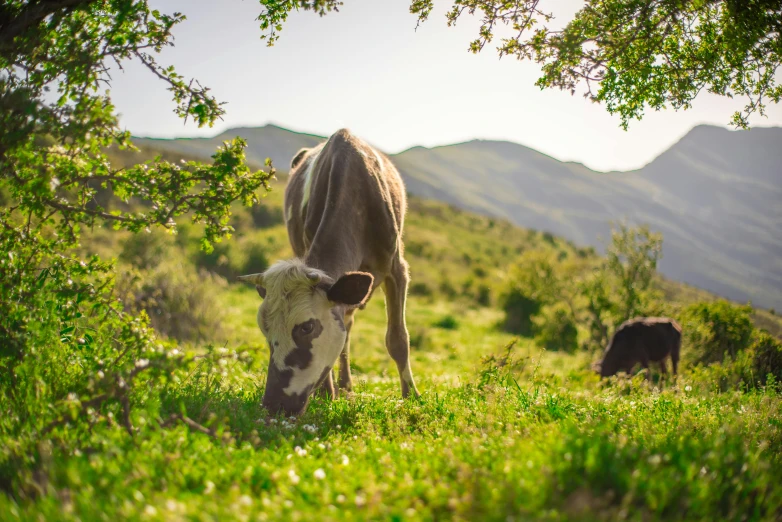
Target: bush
{"x": 766, "y": 357}
{"x": 715, "y": 331}
{"x": 447, "y": 289}
{"x": 555, "y": 329}
{"x": 448, "y": 322}
{"x": 217, "y": 261}
{"x": 519, "y": 309}
{"x": 147, "y": 250}
{"x": 266, "y": 216}
{"x": 483, "y": 295}
{"x": 230, "y": 260}
{"x": 421, "y": 288}
{"x": 178, "y": 300}
{"x": 255, "y": 258}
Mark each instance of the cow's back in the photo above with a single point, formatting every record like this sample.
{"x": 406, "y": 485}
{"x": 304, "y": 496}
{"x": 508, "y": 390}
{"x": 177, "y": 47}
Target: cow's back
{"x": 345, "y": 206}
{"x": 656, "y": 336}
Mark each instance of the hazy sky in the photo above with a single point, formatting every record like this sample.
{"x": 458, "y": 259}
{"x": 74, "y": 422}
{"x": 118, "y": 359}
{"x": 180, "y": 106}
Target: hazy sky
{"x": 368, "y": 69}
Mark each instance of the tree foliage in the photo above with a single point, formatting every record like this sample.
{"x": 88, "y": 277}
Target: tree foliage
{"x": 69, "y": 350}
{"x": 634, "y": 55}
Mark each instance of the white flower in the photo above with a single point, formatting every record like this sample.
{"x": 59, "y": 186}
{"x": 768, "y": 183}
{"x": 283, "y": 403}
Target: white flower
{"x": 319, "y": 474}
{"x": 272, "y": 421}
{"x": 245, "y": 500}
{"x": 340, "y": 499}
{"x": 310, "y": 428}
{"x": 293, "y": 476}
{"x": 688, "y": 388}
{"x": 345, "y": 460}
{"x": 209, "y": 487}
{"x": 360, "y": 500}
{"x": 300, "y": 452}
{"x": 142, "y": 363}
{"x": 321, "y": 446}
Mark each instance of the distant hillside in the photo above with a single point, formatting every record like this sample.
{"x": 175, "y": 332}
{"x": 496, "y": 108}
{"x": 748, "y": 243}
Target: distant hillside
{"x": 269, "y": 141}
{"x": 714, "y": 195}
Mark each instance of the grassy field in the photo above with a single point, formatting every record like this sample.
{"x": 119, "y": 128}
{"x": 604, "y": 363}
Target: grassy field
{"x": 503, "y": 430}
{"x": 533, "y": 436}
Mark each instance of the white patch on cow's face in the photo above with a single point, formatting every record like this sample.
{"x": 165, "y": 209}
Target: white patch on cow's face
{"x": 325, "y": 348}
{"x": 305, "y": 332}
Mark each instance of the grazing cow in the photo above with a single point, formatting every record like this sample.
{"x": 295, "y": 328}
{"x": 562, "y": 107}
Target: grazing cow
{"x": 344, "y": 208}
{"x": 642, "y": 340}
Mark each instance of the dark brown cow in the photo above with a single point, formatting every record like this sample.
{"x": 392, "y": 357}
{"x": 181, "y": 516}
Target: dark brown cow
{"x": 642, "y": 340}
{"x": 344, "y": 207}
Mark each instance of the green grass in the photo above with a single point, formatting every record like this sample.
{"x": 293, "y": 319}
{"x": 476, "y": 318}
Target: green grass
{"x": 503, "y": 430}
{"x": 536, "y": 437}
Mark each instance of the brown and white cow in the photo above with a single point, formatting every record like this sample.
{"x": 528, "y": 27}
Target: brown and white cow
{"x": 344, "y": 207}
{"x": 642, "y": 340}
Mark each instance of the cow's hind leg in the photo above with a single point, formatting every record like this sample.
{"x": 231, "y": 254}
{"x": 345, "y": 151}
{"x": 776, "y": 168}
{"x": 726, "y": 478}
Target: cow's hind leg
{"x": 345, "y": 379}
{"x": 675, "y": 360}
{"x": 397, "y": 339}
{"x": 663, "y": 370}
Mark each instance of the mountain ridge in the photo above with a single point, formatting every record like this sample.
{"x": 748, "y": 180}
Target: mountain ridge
{"x": 713, "y": 194}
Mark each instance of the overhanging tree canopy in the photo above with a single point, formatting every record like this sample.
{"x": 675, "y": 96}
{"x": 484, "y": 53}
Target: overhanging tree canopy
{"x": 629, "y": 54}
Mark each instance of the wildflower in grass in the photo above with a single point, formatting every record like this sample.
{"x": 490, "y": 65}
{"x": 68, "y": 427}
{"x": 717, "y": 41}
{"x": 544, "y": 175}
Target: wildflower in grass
{"x": 321, "y": 446}
{"x": 209, "y": 487}
{"x": 293, "y": 476}
{"x": 688, "y": 388}
{"x": 142, "y": 363}
{"x": 245, "y": 500}
{"x": 300, "y": 451}
{"x": 311, "y": 428}
{"x": 345, "y": 460}
{"x": 360, "y": 500}
{"x": 319, "y": 474}
{"x": 340, "y": 499}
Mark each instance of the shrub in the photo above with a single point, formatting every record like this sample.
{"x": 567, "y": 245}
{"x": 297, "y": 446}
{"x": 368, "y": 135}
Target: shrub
{"x": 555, "y": 329}
{"x": 266, "y": 216}
{"x": 418, "y": 339}
{"x": 447, "y": 289}
{"x": 217, "y": 261}
{"x": 448, "y": 322}
{"x": 147, "y": 250}
{"x": 255, "y": 257}
{"x": 715, "y": 331}
{"x": 483, "y": 295}
{"x": 178, "y": 300}
{"x": 766, "y": 357}
{"x": 421, "y": 288}
{"x": 519, "y": 309}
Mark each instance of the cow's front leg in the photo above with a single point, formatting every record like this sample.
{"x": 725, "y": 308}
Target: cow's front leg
{"x": 397, "y": 338}
{"x": 345, "y": 379}
{"x": 326, "y": 389}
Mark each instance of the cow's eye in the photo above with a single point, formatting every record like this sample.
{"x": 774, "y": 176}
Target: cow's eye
{"x": 306, "y": 328}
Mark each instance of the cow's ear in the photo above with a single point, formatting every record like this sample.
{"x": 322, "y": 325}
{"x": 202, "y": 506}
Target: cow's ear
{"x": 261, "y": 291}
{"x": 352, "y": 289}
{"x": 298, "y": 157}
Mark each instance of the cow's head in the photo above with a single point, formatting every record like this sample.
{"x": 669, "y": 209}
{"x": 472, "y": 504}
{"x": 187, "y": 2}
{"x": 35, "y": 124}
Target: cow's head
{"x": 302, "y": 317}
{"x": 613, "y": 362}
